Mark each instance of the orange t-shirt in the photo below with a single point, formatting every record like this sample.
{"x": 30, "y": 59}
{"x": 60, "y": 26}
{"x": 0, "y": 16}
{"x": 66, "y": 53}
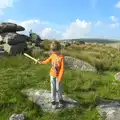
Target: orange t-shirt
{"x": 57, "y": 69}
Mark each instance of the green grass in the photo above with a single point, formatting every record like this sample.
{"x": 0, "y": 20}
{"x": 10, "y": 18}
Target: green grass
{"x": 97, "y": 55}
{"x": 88, "y": 88}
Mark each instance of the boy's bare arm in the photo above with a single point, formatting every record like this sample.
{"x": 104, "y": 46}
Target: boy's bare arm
{"x": 45, "y": 61}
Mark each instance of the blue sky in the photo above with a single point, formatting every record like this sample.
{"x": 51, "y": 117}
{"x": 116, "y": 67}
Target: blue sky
{"x": 65, "y": 19}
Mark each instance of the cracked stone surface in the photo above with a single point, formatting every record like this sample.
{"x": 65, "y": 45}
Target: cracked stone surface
{"x": 43, "y": 99}
{"x": 17, "y": 117}
{"x": 117, "y": 76}
{"x": 110, "y": 111}
{"x": 74, "y": 63}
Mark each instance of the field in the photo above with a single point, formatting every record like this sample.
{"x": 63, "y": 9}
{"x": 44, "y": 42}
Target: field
{"x": 90, "y": 89}
{"x": 114, "y": 45}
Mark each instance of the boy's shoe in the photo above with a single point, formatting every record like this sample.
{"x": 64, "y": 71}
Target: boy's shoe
{"x": 53, "y": 104}
{"x": 61, "y": 103}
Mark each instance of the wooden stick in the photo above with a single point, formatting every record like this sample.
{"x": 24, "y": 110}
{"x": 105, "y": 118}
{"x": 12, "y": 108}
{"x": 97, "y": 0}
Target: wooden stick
{"x": 30, "y": 57}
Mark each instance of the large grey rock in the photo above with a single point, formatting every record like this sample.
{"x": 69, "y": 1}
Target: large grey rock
{"x": 74, "y": 63}
{"x": 118, "y": 47}
{"x": 43, "y": 99}
{"x": 36, "y": 51}
{"x": 1, "y": 39}
{"x": 65, "y": 44}
{"x": 117, "y": 76}
{"x": 78, "y": 42}
{"x": 10, "y": 27}
{"x": 2, "y": 53}
{"x": 14, "y": 49}
{"x": 110, "y": 111}
{"x": 13, "y": 38}
{"x": 17, "y": 117}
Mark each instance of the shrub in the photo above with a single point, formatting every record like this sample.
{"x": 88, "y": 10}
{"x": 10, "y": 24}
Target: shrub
{"x": 46, "y": 44}
{"x": 99, "y": 56}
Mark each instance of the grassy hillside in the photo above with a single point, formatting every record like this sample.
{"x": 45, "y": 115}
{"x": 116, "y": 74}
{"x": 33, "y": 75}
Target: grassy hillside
{"x": 102, "y": 57}
{"x": 88, "y": 88}
{"x": 96, "y": 40}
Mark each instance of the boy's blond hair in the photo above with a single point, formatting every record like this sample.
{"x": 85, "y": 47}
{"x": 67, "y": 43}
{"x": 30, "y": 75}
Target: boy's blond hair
{"x": 55, "y": 46}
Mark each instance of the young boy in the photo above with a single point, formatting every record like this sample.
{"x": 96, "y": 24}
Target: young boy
{"x": 56, "y": 72}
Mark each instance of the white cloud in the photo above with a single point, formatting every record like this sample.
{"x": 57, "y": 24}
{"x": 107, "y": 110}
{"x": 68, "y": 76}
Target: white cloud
{"x": 5, "y": 4}
{"x": 117, "y": 5}
{"x": 103, "y": 25}
{"x": 1, "y": 12}
{"x": 38, "y": 27}
{"x": 12, "y": 21}
{"x": 98, "y": 23}
{"x": 49, "y": 33}
{"x": 77, "y": 29}
{"x": 114, "y": 25}
{"x": 26, "y": 23}
{"x": 113, "y": 18}
{"x": 30, "y": 24}
{"x": 35, "y": 25}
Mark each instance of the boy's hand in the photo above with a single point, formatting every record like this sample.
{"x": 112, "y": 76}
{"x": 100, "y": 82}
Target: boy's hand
{"x": 40, "y": 62}
{"x": 37, "y": 61}
{"x": 59, "y": 81}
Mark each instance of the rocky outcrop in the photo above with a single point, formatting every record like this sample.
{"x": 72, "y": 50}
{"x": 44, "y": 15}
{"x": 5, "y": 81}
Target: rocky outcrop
{"x": 110, "y": 111}
{"x": 117, "y": 76}
{"x": 15, "y": 49}
{"x": 118, "y": 47}
{"x": 43, "y": 99}
{"x": 14, "y": 43}
{"x": 13, "y": 38}
{"x": 66, "y": 43}
{"x": 73, "y": 63}
{"x": 17, "y": 117}
{"x": 10, "y": 27}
